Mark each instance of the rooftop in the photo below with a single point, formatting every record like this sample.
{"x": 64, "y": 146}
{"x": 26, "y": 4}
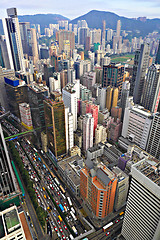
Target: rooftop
{"x": 151, "y": 169}
{"x": 38, "y": 87}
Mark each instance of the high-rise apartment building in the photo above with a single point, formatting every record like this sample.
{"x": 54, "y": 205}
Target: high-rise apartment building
{"x": 70, "y": 100}
{"x": 135, "y": 67}
{"x": 153, "y": 145}
{"x": 100, "y": 134}
{"x": 83, "y": 33}
{"x": 141, "y": 72}
{"x": 13, "y": 40}
{"x": 124, "y": 97}
{"x": 69, "y": 129}
{"x": 25, "y": 114}
{"x": 111, "y": 97}
{"x": 136, "y": 125}
{"x": 157, "y": 60}
{"x": 24, "y": 27}
{"x": 88, "y": 126}
{"x": 54, "y": 112}
{"x": 142, "y": 215}
{"x": 98, "y": 188}
{"x": 151, "y": 89}
{"x": 66, "y": 41}
{"x": 113, "y": 76}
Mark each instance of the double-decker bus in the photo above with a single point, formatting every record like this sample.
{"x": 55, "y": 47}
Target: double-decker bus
{"x": 108, "y": 226}
{"x": 61, "y": 207}
{"x": 69, "y": 201}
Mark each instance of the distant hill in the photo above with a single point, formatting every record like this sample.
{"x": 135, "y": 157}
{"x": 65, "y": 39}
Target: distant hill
{"x": 43, "y": 19}
{"x": 94, "y": 19}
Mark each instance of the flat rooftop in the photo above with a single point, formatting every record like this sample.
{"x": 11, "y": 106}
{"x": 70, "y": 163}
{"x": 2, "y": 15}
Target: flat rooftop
{"x": 38, "y": 87}
{"x": 151, "y": 169}
{"x": 72, "y": 167}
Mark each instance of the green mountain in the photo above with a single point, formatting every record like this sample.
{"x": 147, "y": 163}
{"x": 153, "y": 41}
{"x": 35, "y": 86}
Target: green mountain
{"x": 94, "y": 19}
{"x": 43, "y": 19}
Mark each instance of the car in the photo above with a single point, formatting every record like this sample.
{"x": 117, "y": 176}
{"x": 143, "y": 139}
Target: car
{"x": 57, "y": 202}
{"x": 65, "y": 203}
{"x": 52, "y": 223}
{"x": 121, "y": 217}
{"x": 59, "y": 222}
{"x": 52, "y": 188}
{"x": 54, "y": 214}
{"x": 108, "y": 233}
{"x": 58, "y": 193}
{"x": 31, "y": 225}
{"x": 117, "y": 221}
{"x": 55, "y": 229}
{"x": 38, "y": 196}
{"x": 63, "y": 237}
{"x": 65, "y": 227}
{"x": 60, "y": 229}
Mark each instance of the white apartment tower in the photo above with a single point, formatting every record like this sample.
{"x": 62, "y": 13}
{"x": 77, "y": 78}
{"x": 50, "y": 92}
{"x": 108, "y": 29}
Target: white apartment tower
{"x": 69, "y": 129}
{"x": 13, "y": 40}
{"x": 88, "y": 125}
{"x": 70, "y": 100}
{"x": 142, "y": 215}
{"x": 136, "y": 125}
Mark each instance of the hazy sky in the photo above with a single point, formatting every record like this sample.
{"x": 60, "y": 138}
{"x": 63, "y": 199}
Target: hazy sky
{"x": 75, "y": 8}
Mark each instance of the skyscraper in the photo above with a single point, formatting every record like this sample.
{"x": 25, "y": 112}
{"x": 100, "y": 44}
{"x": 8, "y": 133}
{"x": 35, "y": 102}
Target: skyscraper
{"x": 118, "y": 29}
{"x": 13, "y": 40}
{"x": 157, "y": 60}
{"x": 153, "y": 146}
{"x": 7, "y": 178}
{"x": 70, "y": 100}
{"x": 142, "y": 215}
{"x": 54, "y": 112}
{"x": 135, "y": 67}
{"x": 24, "y": 26}
{"x": 113, "y": 76}
{"x": 111, "y": 97}
{"x": 66, "y": 40}
{"x": 98, "y": 188}
{"x": 104, "y": 35}
{"x": 141, "y": 72}
{"x": 88, "y": 126}
{"x": 124, "y": 97}
{"x": 151, "y": 89}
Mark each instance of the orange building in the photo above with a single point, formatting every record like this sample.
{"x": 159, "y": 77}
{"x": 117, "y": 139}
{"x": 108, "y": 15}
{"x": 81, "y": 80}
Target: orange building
{"x": 98, "y": 188}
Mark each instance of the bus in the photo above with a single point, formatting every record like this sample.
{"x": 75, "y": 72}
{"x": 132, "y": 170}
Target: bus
{"x": 35, "y": 150}
{"x": 61, "y": 207}
{"x": 63, "y": 196}
{"x": 73, "y": 216}
{"x": 72, "y": 209}
{"x": 74, "y": 230}
{"x": 69, "y": 201}
{"x": 71, "y": 237}
{"x": 60, "y": 218}
{"x": 62, "y": 189}
{"x": 56, "y": 180}
{"x": 121, "y": 213}
{"x": 106, "y": 227}
{"x": 28, "y": 142}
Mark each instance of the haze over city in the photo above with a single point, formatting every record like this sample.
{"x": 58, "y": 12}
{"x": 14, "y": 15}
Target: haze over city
{"x": 73, "y": 9}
